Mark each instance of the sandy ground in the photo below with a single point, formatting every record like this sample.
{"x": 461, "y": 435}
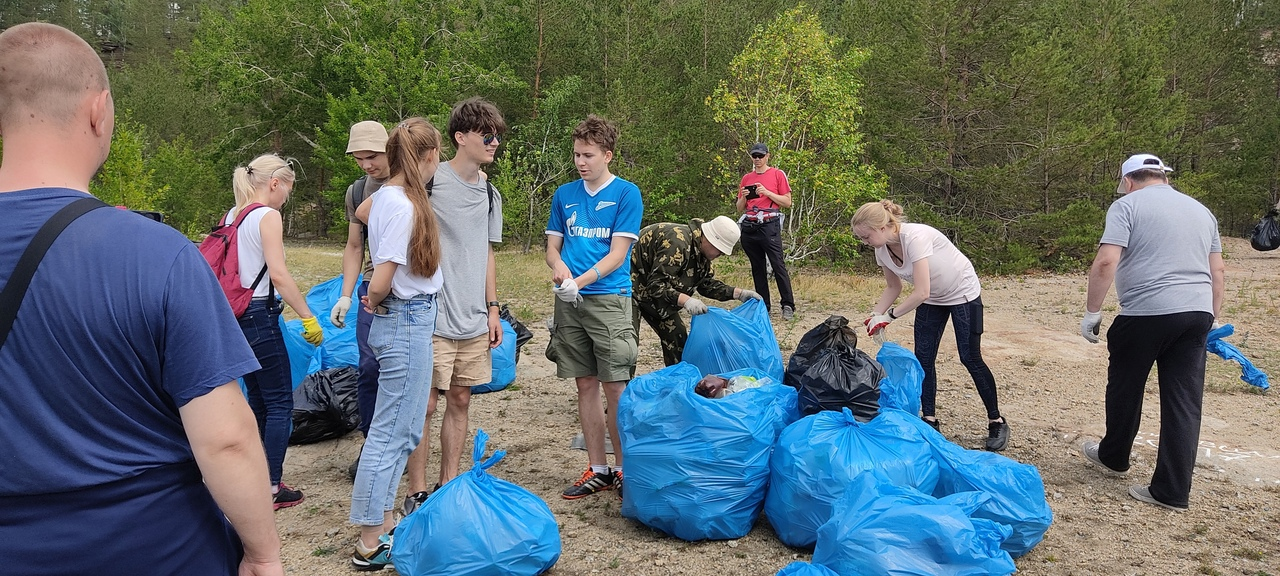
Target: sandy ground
{"x": 1051, "y": 387}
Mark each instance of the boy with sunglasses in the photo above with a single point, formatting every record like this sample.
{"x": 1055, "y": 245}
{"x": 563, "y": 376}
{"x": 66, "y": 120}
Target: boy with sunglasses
{"x": 467, "y": 325}
{"x": 763, "y": 192}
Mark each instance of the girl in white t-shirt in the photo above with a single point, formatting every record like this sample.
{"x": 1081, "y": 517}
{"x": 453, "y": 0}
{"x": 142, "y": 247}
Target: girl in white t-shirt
{"x": 945, "y": 286}
{"x": 404, "y": 245}
{"x": 267, "y": 181}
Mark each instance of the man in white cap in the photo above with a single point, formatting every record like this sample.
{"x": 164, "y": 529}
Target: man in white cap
{"x": 1162, "y": 249}
{"x": 368, "y": 145}
{"x": 669, "y": 263}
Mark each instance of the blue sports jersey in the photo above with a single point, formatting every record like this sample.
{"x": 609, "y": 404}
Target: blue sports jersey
{"x": 588, "y": 224}
{"x": 123, "y": 324}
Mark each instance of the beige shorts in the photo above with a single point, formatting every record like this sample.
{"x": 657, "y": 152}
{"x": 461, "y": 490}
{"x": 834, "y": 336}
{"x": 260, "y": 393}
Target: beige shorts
{"x": 461, "y": 362}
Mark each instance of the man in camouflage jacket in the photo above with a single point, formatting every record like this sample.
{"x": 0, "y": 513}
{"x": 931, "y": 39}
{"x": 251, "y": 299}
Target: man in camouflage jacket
{"x": 670, "y": 261}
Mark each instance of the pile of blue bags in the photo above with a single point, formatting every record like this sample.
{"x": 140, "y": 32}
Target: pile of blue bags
{"x": 477, "y": 525}
{"x": 697, "y": 467}
{"x": 872, "y": 492}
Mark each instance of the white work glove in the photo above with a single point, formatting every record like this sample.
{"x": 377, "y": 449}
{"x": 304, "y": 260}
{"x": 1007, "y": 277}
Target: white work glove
{"x": 1216, "y": 325}
{"x": 338, "y": 316}
{"x": 876, "y": 323}
{"x": 1090, "y": 324}
{"x": 695, "y": 306}
{"x": 748, "y": 295}
{"x": 567, "y": 291}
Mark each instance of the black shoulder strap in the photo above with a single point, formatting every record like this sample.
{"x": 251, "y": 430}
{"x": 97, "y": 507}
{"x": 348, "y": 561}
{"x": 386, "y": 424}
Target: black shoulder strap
{"x": 16, "y": 288}
{"x": 489, "y": 186}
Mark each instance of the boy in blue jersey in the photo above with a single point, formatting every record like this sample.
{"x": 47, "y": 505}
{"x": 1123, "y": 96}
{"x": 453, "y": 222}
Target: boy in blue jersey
{"x": 593, "y": 223}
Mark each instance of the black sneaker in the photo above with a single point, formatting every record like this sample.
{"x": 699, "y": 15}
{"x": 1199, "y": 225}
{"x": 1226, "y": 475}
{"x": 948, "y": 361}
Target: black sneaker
{"x": 413, "y": 501}
{"x": 376, "y": 559}
{"x": 588, "y": 484}
{"x": 286, "y": 497}
{"x": 997, "y": 435}
{"x": 617, "y": 482}
{"x": 351, "y": 470}
{"x": 935, "y": 424}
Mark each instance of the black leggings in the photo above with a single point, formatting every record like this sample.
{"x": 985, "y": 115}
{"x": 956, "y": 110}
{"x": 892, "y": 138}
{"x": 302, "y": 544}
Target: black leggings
{"x": 966, "y": 320}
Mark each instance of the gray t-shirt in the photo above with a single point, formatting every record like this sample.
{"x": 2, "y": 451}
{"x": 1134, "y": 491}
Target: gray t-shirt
{"x": 1167, "y": 237}
{"x": 355, "y": 196}
{"x": 462, "y": 211}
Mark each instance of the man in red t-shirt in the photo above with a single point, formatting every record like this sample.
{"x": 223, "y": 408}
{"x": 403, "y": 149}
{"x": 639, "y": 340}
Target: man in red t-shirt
{"x": 763, "y": 192}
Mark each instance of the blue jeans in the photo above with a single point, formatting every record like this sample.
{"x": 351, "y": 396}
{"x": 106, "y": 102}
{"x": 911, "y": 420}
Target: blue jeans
{"x": 966, "y": 321}
{"x": 401, "y": 338}
{"x": 270, "y": 389}
{"x": 367, "y": 371}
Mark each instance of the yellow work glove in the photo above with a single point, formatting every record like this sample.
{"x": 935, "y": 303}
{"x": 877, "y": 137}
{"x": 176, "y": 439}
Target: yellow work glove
{"x": 311, "y": 331}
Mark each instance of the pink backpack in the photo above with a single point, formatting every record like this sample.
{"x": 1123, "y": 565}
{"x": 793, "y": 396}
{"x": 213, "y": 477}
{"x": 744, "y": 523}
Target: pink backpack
{"x": 221, "y": 249}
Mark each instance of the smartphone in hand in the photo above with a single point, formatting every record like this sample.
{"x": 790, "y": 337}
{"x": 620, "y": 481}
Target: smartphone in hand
{"x": 751, "y": 191}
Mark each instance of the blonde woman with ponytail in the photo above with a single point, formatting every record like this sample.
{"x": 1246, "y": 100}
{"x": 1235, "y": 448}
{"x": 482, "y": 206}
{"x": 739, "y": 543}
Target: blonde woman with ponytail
{"x": 405, "y": 248}
{"x": 945, "y": 286}
{"x": 262, "y": 187}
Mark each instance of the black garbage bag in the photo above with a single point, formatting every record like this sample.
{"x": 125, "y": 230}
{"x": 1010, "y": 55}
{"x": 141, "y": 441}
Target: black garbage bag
{"x": 830, "y": 373}
{"x": 522, "y": 332}
{"x": 324, "y": 406}
{"x": 1266, "y": 234}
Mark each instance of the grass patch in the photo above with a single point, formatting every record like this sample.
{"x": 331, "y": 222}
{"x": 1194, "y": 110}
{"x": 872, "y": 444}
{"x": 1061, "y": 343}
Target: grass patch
{"x": 1247, "y": 553}
{"x": 1208, "y": 570}
{"x": 323, "y": 551}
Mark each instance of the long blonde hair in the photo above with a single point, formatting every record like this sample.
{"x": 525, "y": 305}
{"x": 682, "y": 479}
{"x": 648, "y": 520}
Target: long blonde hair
{"x": 247, "y": 180}
{"x": 878, "y": 214}
{"x": 407, "y": 144}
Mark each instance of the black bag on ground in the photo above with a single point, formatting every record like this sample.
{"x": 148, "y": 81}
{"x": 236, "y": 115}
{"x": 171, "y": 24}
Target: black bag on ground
{"x": 522, "y": 332}
{"x": 830, "y": 373}
{"x": 324, "y": 406}
{"x": 1266, "y": 234}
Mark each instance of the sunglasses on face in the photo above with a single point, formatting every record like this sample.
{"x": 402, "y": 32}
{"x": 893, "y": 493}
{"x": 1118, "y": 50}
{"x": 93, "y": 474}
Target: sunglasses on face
{"x": 758, "y": 156}
{"x": 490, "y": 138}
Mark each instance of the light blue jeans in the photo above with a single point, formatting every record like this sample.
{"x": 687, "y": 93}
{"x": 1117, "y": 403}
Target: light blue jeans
{"x": 401, "y": 339}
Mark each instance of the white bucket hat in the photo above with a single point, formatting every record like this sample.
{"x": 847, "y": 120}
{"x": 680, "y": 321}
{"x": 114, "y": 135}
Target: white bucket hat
{"x": 722, "y": 232}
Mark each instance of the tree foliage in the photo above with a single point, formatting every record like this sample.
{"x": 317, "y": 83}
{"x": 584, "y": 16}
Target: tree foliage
{"x": 1001, "y": 121}
{"x": 792, "y": 89}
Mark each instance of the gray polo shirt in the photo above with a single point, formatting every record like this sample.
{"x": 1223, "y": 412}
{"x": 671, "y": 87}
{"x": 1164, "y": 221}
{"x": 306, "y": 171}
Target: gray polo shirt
{"x": 1167, "y": 237}
{"x": 467, "y": 226}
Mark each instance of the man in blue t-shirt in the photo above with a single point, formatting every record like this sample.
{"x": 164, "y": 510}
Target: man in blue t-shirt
{"x": 593, "y": 223}
{"x": 126, "y": 445}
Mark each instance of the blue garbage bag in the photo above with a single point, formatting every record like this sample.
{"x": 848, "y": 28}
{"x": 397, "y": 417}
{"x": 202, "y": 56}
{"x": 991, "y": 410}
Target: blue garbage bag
{"x": 722, "y": 341}
{"x": 339, "y": 347}
{"x": 817, "y": 457}
{"x": 697, "y": 467}
{"x": 477, "y": 525}
{"x": 903, "y": 379}
{"x": 879, "y": 528}
{"x": 504, "y": 362}
{"x": 1248, "y": 372}
{"x": 805, "y": 569}
{"x": 1016, "y": 489}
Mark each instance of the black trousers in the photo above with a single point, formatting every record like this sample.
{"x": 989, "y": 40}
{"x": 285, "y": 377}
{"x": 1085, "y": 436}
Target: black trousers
{"x": 966, "y": 321}
{"x": 761, "y": 243}
{"x": 1175, "y": 343}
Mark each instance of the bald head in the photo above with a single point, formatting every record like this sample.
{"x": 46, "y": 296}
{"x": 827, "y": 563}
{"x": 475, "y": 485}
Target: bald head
{"x": 46, "y": 74}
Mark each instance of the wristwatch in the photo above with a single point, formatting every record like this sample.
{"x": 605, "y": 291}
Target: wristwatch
{"x": 494, "y": 304}
{"x": 890, "y": 313}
